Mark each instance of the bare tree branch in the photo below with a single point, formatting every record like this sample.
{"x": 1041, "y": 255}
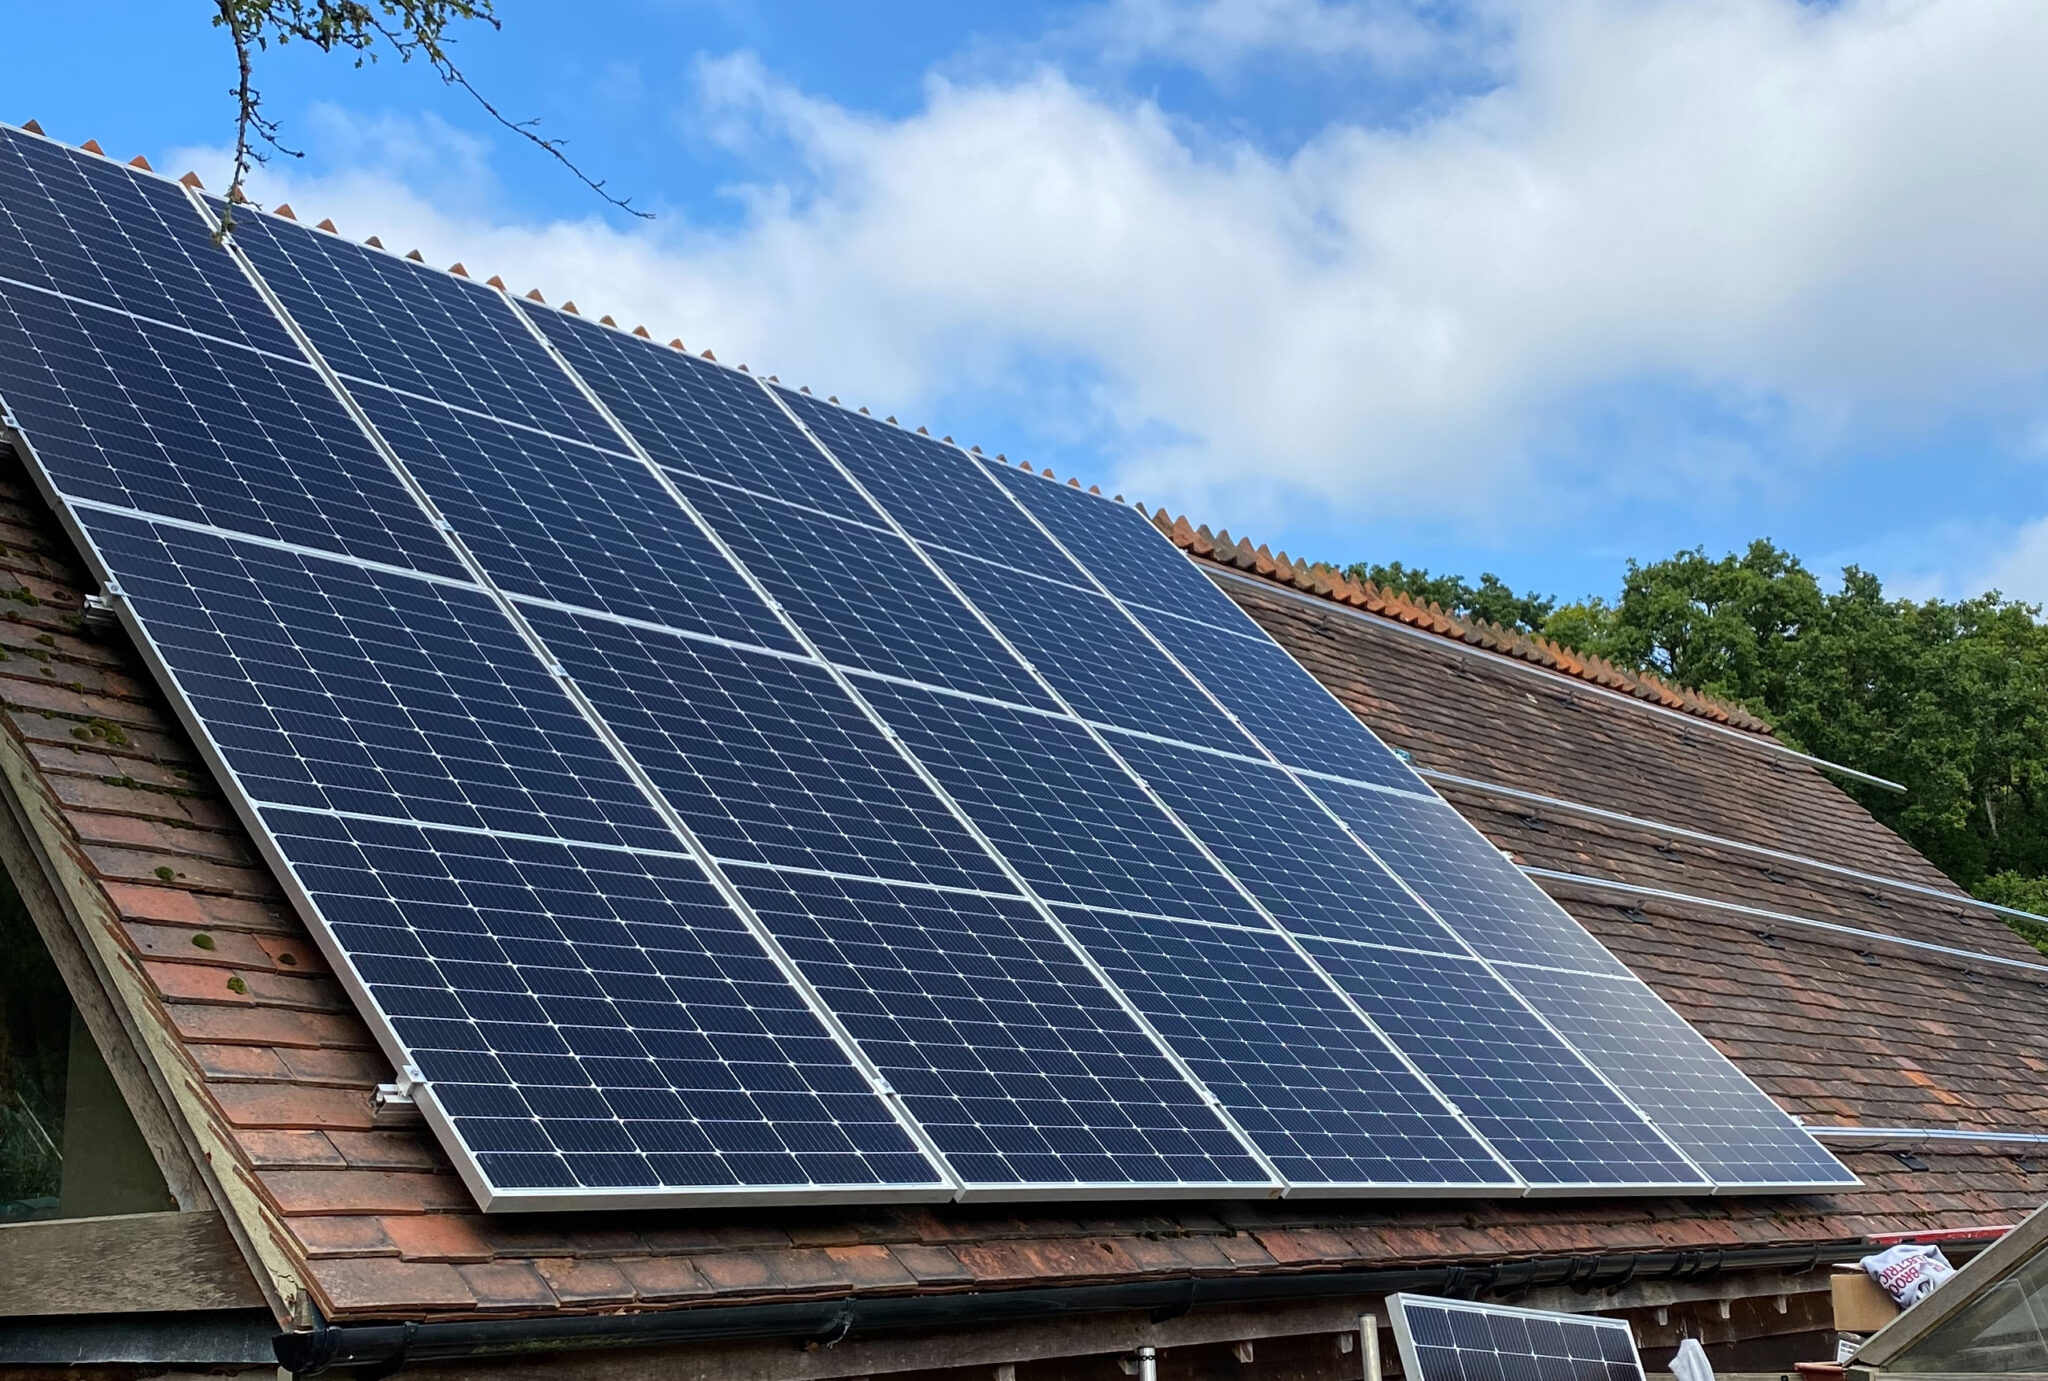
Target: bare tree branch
{"x": 409, "y": 28}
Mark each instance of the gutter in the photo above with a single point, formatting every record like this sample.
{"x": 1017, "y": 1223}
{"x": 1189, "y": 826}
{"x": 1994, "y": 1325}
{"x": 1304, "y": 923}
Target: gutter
{"x": 377, "y": 1350}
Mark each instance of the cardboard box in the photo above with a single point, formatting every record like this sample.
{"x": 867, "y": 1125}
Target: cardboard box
{"x": 1861, "y": 1304}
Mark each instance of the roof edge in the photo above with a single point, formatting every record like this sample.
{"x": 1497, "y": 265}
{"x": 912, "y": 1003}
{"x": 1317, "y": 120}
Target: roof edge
{"x": 1326, "y": 582}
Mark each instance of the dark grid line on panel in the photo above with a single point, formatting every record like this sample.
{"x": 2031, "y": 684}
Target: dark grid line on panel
{"x": 939, "y": 495}
{"x": 699, "y": 418}
{"x": 862, "y": 596}
{"x": 328, "y": 685}
{"x": 1011, "y": 1055}
{"x": 92, "y": 230}
{"x": 377, "y": 318}
{"x": 1284, "y": 707}
{"x": 556, "y": 521}
{"x": 158, "y": 420}
{"x": 766, "y": 759}
{"x": 1466, "y": 880}
{"x": 1277, "y": 839}
{"x": 1309, "y": 1082}
{"x": 593, "y": 1019}
{"x": 1097, "y": 660}
{"x": 1538, "y": 1103}
{"x": 1729, "y": 1127}
{"x": 1064, "y": 812}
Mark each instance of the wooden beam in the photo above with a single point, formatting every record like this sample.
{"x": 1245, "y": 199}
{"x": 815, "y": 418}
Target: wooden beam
{"x": 135, "y": 1263}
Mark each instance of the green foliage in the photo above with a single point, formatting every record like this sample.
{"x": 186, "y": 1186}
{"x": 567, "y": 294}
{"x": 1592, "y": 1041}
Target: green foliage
{"x": 1949, "y": 697}
{"x": 1491, "y": 599}
{"x": 2023, "y": 893}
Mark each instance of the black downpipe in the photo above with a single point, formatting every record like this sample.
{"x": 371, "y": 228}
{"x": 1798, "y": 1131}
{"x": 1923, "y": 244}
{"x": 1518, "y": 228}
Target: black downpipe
{"x": 375, "y": 1350}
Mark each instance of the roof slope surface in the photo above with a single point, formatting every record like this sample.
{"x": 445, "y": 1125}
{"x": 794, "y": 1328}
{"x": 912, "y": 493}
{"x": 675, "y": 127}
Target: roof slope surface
{"x": 372, "y": 1219}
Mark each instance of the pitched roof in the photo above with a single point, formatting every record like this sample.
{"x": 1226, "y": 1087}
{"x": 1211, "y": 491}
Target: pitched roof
{"x": 276, "y": 1070}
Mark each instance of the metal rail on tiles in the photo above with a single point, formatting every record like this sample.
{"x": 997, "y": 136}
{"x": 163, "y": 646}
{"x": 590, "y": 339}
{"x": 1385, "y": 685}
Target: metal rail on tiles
{"x": 1720, "y": 841}
{"x": 1786, "y": 917}
{"x": 1756, "y": 741}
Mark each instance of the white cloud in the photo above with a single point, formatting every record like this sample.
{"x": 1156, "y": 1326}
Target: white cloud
{"x": 1830, "y": 219}
{"x": 1216, "y": 36}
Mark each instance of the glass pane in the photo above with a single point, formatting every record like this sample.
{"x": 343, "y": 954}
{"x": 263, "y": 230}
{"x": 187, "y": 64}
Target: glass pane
{"x": 69, "y": 1148}
{"x": 2005, "y": 1330}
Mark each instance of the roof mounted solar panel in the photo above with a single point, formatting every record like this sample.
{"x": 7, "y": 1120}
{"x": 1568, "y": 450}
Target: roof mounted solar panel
{"x": 1461, "y": 1340}
{"x": 712, "y": 795}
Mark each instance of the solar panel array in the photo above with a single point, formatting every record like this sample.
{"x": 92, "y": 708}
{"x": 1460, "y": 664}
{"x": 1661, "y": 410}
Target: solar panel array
{"x": 1456, "y": 1340}
{"x": 711, "y": 794}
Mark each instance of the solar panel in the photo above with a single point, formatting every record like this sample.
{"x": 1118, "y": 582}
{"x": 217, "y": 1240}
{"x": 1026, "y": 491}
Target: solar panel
{"x": 717, "y": 794}
{"x": 1311, "y": 1084}
{"x": 1459, "y": 1340}
{"x": 1722, "y": 1121}
{"x": 1533, "y": 1098}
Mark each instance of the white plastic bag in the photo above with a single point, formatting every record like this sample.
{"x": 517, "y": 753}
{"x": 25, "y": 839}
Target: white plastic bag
{"x": 1908, "y": 1272}
{"x": 1691, "y": 1362}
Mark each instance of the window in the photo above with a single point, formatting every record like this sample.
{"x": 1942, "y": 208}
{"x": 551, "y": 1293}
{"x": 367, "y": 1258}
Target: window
{"x": 69, "y": 1147}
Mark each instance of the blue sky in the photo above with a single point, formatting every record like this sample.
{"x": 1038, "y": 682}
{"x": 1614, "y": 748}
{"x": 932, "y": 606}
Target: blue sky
{"x": 1528, "y": 288}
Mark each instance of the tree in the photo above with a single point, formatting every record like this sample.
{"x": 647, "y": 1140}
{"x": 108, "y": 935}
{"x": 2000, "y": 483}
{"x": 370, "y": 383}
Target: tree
{"x": 365, "y": 28}
{"x": 1492, "y": 599}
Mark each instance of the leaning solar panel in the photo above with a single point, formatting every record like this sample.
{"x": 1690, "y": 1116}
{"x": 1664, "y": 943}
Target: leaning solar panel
{"x": 1702, "y": 1102}
{"x": 589, "y": 1022}
{"x": 1457, "y": 1340}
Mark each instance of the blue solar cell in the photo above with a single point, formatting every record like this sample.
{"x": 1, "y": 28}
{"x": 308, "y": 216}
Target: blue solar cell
{"x": 592, "y": 1018}
{"x": 940, "y": 496}
{"x": 765, "y": 758}
{"x": 381, "y": 319}
{"x": 1284, "y": 707}
{"x": 146, "y": 417}
{"x": 328, "y": 685}
{"x": 1280, "y": 843}
{"x": 553, "y": 520}
{"x": 1094, "y": 656}
{"x": 1466, "y": 880}
{"x": 1059, "y": 808}
{"x": 1309, "y": 1083}
{"x": 121, "y": 238}
{"x": 700, "y": 418}
{"x": 864, "y": 596}
{"x": 1689, "y": 1089}
{"x": 1014, "y": 1058}
{"x": 1133, "y": 559}
{"x": 1530, "y": 1095}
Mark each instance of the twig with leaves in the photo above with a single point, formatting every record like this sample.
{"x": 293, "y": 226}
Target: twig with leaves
{"x": 409, "y": 28}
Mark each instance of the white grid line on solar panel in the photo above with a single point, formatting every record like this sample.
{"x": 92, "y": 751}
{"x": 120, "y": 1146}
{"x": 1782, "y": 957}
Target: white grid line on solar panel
{"x": 1277, "y": 839}
{"x": 1466, "y": 880}
{"x": 166, "y": 421}
{"x": 768, "y": 760}
{"x": 1018, "y": 1063}
{"x": 1443, "y": 1341}
{"x": 154, "y": 323}
{"x": 697, "y": 417}
{"x": 1279, "y": 703}
{"x": 1309, "y": 1081}
{"x": 1065, "y": 813}
{"x": 123, "y": 239}
{"x": 1117, "y": 545}
{"x": 1689, "y": 1088}
{"x": 863, "y": 596}
{"x": 676, "y": 849}
{"x": 378, "y": 318}
{"x": 1530, "y": 1095}
{"x": 591, "y": 1018}
{"x": 580, "y": 526}
{"x": 1098, "y": 661}
{"x": 933, "y": 489}
{"x": 328, "y": 685}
